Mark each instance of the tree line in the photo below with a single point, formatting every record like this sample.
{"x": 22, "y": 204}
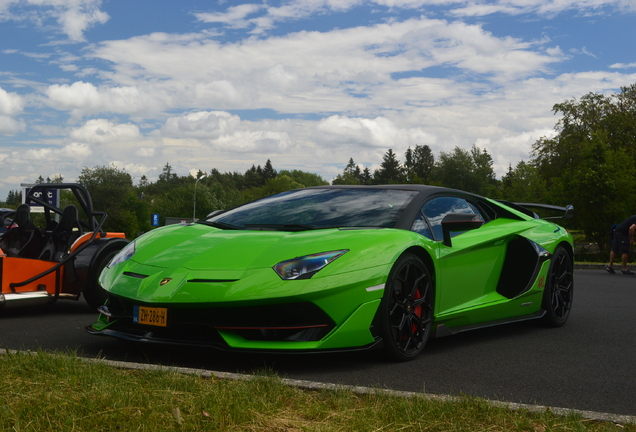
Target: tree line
{"x": 129, "y": 206}
{"x": 589, "y": 163}
{"x": 469, "y": 170}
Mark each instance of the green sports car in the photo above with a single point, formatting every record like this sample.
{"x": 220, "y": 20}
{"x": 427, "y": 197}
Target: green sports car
{"x": 341, "y": 267}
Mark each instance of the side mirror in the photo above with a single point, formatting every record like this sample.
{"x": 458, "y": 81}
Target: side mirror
{"x": 454, "y": 222}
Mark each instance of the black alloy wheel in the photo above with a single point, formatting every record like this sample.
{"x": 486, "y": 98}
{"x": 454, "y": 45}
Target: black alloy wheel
{"x": 407, "y": 308}
{"x": 559, "y": 289}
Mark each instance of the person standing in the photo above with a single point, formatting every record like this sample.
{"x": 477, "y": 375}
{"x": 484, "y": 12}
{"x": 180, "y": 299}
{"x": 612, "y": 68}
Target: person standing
{"x": 623, "y": 239}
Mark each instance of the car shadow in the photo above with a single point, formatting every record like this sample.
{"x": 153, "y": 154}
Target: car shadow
{"x": 295, "y": 363}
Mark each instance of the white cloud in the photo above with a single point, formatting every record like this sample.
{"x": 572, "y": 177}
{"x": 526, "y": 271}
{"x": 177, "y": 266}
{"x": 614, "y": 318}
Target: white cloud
{"x": 243, "y": 16}
{"x": 623, "y": 65}
{"x": 10, "y": 126}
{"x": 299, "y": 73}
{"x": 202, "y": 125}
{"x": 379, "y": 132}
{"x": 51, "y": 155}
{"x": 99, "y": 131}
{"x": 77, "y": 16}
{"x": 145, "y": 152}
{"x": 72, "y": 17}
{"x": 478, "y": 10}
{"x": 82, "y": 99}
{"x": 269, "y": 16}
{"x": 75, "y": 151}
{"x": 234, "y": 16}
{"x": 10, "y": 103}
{"x": 260, "y": 141}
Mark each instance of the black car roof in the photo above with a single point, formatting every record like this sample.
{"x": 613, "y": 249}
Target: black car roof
{"x": 426, "y": 190}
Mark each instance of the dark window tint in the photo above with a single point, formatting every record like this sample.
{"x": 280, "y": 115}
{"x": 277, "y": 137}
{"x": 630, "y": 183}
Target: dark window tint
{"x": 437, "y": 208}
{"x": 420, "y": 226}
{"x": 321, "y": 208}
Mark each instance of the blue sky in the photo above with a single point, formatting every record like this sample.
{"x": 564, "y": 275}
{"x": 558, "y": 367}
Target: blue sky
{"x": 307, "y": 84}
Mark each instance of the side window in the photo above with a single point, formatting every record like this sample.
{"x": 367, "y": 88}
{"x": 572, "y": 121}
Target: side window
{"x": 437, "y": 208}
{"x": 420, "y": 226}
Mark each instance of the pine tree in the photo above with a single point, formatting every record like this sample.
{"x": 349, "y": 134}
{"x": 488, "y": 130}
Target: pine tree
{"x": 390, "y": 172}
{"x": 268, "y": 172}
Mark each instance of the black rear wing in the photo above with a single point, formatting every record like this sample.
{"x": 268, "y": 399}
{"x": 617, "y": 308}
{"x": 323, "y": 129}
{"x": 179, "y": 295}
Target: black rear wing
{"x": 526, "y": 208}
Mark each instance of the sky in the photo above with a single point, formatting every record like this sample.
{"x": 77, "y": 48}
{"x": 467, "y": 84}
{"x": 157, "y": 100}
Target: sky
{"x": 307, "y": 84}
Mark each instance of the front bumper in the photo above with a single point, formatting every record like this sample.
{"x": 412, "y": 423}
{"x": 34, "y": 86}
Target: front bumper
{"x": 291, "y": 327}
{"x": 253, "y": 310}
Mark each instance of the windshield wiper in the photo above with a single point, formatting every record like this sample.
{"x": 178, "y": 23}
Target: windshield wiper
{"x": 281, "y": 227}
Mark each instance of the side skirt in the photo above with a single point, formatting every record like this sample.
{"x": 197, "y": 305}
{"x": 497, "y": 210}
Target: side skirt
{"x": 442, "y": 330}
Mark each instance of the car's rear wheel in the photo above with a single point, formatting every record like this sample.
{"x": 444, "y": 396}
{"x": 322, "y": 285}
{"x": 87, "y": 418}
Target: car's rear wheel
{"x": 559, "y": 289}
{"x": 406, "y": 311}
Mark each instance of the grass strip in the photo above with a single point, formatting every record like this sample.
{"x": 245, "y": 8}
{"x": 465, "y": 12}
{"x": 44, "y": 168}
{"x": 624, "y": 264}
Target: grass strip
{"x": 52, "y": 392}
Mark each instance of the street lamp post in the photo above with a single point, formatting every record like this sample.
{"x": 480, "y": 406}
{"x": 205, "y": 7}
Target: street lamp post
{"x": 194, "y": 212}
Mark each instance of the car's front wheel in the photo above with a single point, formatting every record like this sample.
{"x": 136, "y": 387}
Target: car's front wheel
{"x": 559, "y": 289}
{"x": 406, "y": 311}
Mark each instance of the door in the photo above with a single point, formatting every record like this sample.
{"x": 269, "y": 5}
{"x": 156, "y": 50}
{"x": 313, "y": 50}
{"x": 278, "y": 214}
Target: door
{"x": 468, "y": 271}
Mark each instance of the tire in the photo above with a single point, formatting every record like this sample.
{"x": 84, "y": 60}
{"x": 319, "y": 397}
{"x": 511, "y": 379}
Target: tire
{"x": 406, "y": 310}
{"x": 559, "y": 289}
{"x": 94, "y": 294}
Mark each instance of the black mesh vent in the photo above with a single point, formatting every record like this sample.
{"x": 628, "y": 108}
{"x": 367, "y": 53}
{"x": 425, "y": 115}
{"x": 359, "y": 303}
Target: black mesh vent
{"x": 519, "y": 268}
{"x": 300, "y": 321}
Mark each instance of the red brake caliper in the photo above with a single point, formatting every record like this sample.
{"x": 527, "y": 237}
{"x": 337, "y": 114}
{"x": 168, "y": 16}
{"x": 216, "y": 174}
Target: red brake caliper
{"x": 417, "y": 311}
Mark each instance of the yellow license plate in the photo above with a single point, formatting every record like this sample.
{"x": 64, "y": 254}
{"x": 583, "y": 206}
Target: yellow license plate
{"x": 151, "y": 316}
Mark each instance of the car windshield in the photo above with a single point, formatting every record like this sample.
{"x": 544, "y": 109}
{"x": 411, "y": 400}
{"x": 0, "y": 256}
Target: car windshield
{"x": 306, "y": 209}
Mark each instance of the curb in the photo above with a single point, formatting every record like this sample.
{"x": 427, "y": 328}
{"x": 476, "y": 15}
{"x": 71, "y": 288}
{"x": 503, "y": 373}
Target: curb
{"x": 312, "y": 385}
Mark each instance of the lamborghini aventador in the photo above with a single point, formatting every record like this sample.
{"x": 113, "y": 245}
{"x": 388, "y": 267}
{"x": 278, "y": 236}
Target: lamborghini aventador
{"x": 341, "y": 268}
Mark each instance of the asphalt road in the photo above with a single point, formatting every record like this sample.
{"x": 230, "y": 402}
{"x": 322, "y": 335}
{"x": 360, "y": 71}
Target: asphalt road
{"x": 589, "y": 364}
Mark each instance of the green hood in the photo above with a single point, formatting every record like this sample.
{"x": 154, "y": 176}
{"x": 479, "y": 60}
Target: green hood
{"x": 200, "y": 247}
{"x": 225, "y": 257}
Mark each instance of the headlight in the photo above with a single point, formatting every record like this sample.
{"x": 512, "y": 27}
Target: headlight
{"x": 123, "y": 255}
{"x": 306, "y": 266}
